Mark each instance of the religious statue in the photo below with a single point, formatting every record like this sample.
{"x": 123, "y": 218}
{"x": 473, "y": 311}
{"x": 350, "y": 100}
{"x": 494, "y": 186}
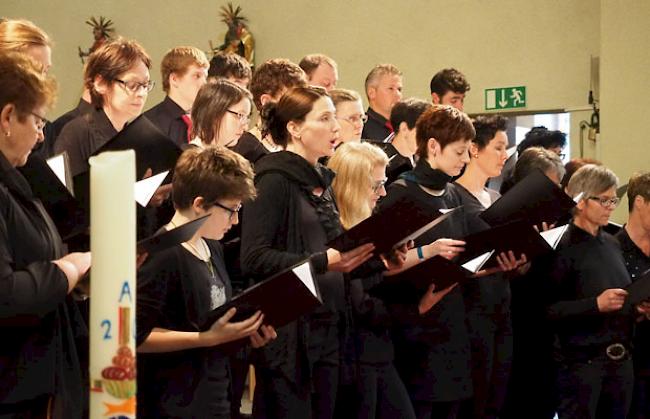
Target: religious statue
{"x": 238, "y": 39}
{"x": 102, "y": 31}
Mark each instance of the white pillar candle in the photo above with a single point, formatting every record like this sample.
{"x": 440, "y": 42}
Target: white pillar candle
{"x": 112, "y": 295}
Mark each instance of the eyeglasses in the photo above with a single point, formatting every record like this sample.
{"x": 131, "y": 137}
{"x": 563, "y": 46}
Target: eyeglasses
{"x": 606, "y": 202}
{"x": 355, "y": 119}
{"x": 243, "y": 118}
{"x": 231, "y": 211}
{"x": 377, "y": 185}
{"x": 136, "y": 86}
{"x": 40, "y": 121}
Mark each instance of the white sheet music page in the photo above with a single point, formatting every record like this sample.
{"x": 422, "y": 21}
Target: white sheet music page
{"x": 554, "y": 235}
{"x": 57, "y": 164}
{"x": 304, "y": 273}
{"x": 477, "y": 263}
{"x": 145, "y": 188}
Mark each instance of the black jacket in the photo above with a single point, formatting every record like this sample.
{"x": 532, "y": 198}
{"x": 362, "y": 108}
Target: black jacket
{"x": 168, "y": 117}
{"x": 284, "y": 225}
{"x": 37, "y": 318}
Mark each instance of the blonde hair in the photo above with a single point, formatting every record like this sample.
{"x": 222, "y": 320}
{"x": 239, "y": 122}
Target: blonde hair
{"x": 19, "y": 34}
{"x": 353, "y": 164}
{"x": 178, "y": 60}
{"x": 23, "y": 84}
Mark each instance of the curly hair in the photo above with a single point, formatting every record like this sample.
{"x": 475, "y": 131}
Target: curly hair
{"x": 273, "y": 77}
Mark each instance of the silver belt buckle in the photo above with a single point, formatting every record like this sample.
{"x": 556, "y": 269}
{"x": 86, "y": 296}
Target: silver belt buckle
{"x": 616, "y": 351}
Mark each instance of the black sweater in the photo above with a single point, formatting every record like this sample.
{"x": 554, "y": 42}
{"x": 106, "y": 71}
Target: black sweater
{"x": 583, "y": 267}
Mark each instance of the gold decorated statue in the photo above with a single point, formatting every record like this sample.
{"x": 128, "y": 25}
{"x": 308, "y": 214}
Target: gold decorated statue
{"x": 238, "y": 39}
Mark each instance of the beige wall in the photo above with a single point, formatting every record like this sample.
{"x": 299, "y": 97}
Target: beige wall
{"x": 625, "y": 88}
{"x": 542, "y": 44}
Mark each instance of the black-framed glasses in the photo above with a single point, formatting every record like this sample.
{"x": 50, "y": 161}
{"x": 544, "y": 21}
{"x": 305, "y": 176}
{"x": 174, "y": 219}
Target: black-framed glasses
{"x": 243, "y": 118}
{"x": 135, "y": 86}
{"x": 377, "y": 185}
{"x": 40, "y": 121}
{"x": 606, "y": 202}
{"x": 231, "y": 211}
{"x": 354, "y": 119}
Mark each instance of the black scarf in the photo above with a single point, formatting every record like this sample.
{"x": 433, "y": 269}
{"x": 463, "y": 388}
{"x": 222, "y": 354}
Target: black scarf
{"x": 424, "y": 175}
{"x": 308, "y": 177}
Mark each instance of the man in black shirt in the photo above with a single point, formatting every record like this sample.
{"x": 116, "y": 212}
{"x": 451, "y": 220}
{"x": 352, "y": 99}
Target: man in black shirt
{"x": 184, "y": 70}
{"x": 635, "y": 243}
{"x": 401, "y": 145}
{"x": 384, "y": 90}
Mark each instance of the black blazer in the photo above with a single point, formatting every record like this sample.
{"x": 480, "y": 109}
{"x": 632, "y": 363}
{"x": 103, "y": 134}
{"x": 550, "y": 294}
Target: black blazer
{"x": 37, "y": 318}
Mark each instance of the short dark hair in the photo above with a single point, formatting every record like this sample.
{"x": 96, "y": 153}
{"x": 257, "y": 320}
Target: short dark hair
{"x": 447, "y": 80}
{"x": 273, "y": 76}
{"x": 213, "y": 173}
{"x": 444, "y": 123}
{"x": 310, "y": 63}
{"x": 542, "y": 137}
{"x": 110, "y": 61}
{"x": 638, "y": 185}
{"x": 293, "y": 106}
{"x": 229, "y": 65}
{"x": 408, "y": 110}
{"x": 486, "y": 127}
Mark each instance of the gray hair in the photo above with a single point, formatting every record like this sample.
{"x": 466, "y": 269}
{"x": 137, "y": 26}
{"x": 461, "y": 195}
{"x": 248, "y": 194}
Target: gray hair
{"x": 591, "y": 180}
{"x": 378, "y": 71}
{"x": 538, "y": 158}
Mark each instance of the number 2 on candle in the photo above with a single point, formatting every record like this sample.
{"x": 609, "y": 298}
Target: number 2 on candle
{"x": 107, "y": 332}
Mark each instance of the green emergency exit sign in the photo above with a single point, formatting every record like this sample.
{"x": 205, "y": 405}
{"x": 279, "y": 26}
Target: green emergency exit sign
{"x": 505, "y": 98}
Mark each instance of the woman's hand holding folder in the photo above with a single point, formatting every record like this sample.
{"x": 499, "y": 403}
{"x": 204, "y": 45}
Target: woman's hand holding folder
{"x": 223, "y": 330}
{"x": 349, "y": 261}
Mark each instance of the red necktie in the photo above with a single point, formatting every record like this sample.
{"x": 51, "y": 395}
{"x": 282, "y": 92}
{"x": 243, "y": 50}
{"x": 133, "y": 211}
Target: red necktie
{"x": 188, "y": 121}
{"x": 389, "y": 126}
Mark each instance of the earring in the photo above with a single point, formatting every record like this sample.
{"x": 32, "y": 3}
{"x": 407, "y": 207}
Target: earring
{"x": 7, "y": 134}
{"x": 476, "y": 156}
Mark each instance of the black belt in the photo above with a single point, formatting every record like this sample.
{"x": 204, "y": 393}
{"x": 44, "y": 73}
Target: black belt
{"x": 616, "y": 351}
